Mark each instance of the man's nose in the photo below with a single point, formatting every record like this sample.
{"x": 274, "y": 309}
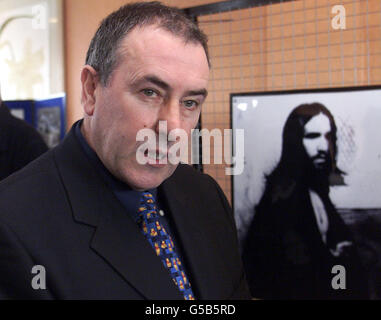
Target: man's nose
{"x": 171, "y": 115}
{"x": 322, "y": 144}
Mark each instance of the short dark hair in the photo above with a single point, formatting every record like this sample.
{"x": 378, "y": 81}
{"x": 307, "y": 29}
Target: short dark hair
{"x": 102, "y": 52}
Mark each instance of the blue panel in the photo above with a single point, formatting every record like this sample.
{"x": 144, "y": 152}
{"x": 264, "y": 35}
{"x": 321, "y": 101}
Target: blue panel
{"x": 27, "y": 106}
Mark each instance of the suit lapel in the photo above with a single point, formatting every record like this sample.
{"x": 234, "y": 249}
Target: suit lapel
{"x": 203, "y": 263}
{"x": 117, "y": 238}
{"x": 119, "y": 241}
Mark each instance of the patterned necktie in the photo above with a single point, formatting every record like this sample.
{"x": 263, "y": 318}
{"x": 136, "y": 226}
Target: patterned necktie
{"x": 162, "y": 243}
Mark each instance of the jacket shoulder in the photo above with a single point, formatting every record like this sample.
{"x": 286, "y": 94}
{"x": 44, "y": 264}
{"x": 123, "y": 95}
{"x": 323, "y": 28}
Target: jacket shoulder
{"x": 14, "y": 129}
{"x": 29, "y": 188}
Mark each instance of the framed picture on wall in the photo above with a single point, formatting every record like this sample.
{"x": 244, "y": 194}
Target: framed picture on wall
{"x": 50, "y": 119}
{"x": 308, "y": 198}
{"x": 46, "y": 115}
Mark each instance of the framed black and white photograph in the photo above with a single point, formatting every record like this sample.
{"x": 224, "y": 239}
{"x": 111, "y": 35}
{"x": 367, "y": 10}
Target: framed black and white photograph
{"x": 308, "y": 205}
{"x": 50, "y": 119}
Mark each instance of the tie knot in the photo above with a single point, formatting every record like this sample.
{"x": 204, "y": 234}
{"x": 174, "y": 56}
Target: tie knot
{"x": 147, "y": 205}
{"x": 148, "y": 198}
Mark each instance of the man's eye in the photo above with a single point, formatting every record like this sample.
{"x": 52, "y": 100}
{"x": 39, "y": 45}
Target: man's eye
{"x": 312, "y": 135}
{"x": 149, "y": 92}
{"x": 190, "y": 103}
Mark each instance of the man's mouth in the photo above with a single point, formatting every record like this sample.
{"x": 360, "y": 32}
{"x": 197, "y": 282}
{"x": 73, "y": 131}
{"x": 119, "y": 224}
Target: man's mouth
{"x": 321, "y": 157}
{"x": 155, "y": 155}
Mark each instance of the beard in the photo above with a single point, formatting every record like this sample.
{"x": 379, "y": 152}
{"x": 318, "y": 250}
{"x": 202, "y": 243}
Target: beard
{"x": 319, "y": 169}
{"x": 322, "y": 162}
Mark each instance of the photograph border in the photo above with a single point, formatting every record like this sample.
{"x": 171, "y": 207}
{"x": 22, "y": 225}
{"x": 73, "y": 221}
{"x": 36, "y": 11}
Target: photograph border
{"x": 285, "y": 92}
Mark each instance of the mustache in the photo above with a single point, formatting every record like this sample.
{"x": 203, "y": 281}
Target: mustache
{"x": 322, "y": 155}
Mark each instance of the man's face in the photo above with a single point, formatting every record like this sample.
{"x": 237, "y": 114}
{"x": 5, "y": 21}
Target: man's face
{"x": 157, "y": 78}
{"x": 317, "y": 141}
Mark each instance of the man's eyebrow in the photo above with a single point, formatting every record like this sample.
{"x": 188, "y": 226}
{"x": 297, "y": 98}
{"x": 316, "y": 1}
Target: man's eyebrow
{"x": 202, "y": 92}
{"x": 155, "y": 80}
{"x": 162, "y": 84}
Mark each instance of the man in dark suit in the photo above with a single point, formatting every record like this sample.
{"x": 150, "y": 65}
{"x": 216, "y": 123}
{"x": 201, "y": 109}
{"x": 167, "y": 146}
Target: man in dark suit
{"x": 76, "y": 223}
{"x": 297, "y": 236}
{"x": 20, "y": 143}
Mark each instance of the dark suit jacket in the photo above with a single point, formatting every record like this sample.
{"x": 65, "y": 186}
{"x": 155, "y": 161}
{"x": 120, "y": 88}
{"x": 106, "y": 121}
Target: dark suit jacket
{"x": 20, "y": 143}
{"x": 57, "y": 212}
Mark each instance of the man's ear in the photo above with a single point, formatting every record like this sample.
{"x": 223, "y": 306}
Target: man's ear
{"x": 90, "y": 81}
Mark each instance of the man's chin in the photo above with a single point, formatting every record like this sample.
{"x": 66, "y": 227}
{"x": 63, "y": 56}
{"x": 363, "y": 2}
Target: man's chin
{"x": 320, "y": 164}
{"x": 148, "y": 177}
{"x": 323, "y": 169}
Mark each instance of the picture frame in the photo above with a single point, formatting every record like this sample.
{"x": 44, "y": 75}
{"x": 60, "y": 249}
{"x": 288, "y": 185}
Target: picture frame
{"x": 47, "y": 116}
{"x": 357, "y": 114}
{"x": 50, "y": 119}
